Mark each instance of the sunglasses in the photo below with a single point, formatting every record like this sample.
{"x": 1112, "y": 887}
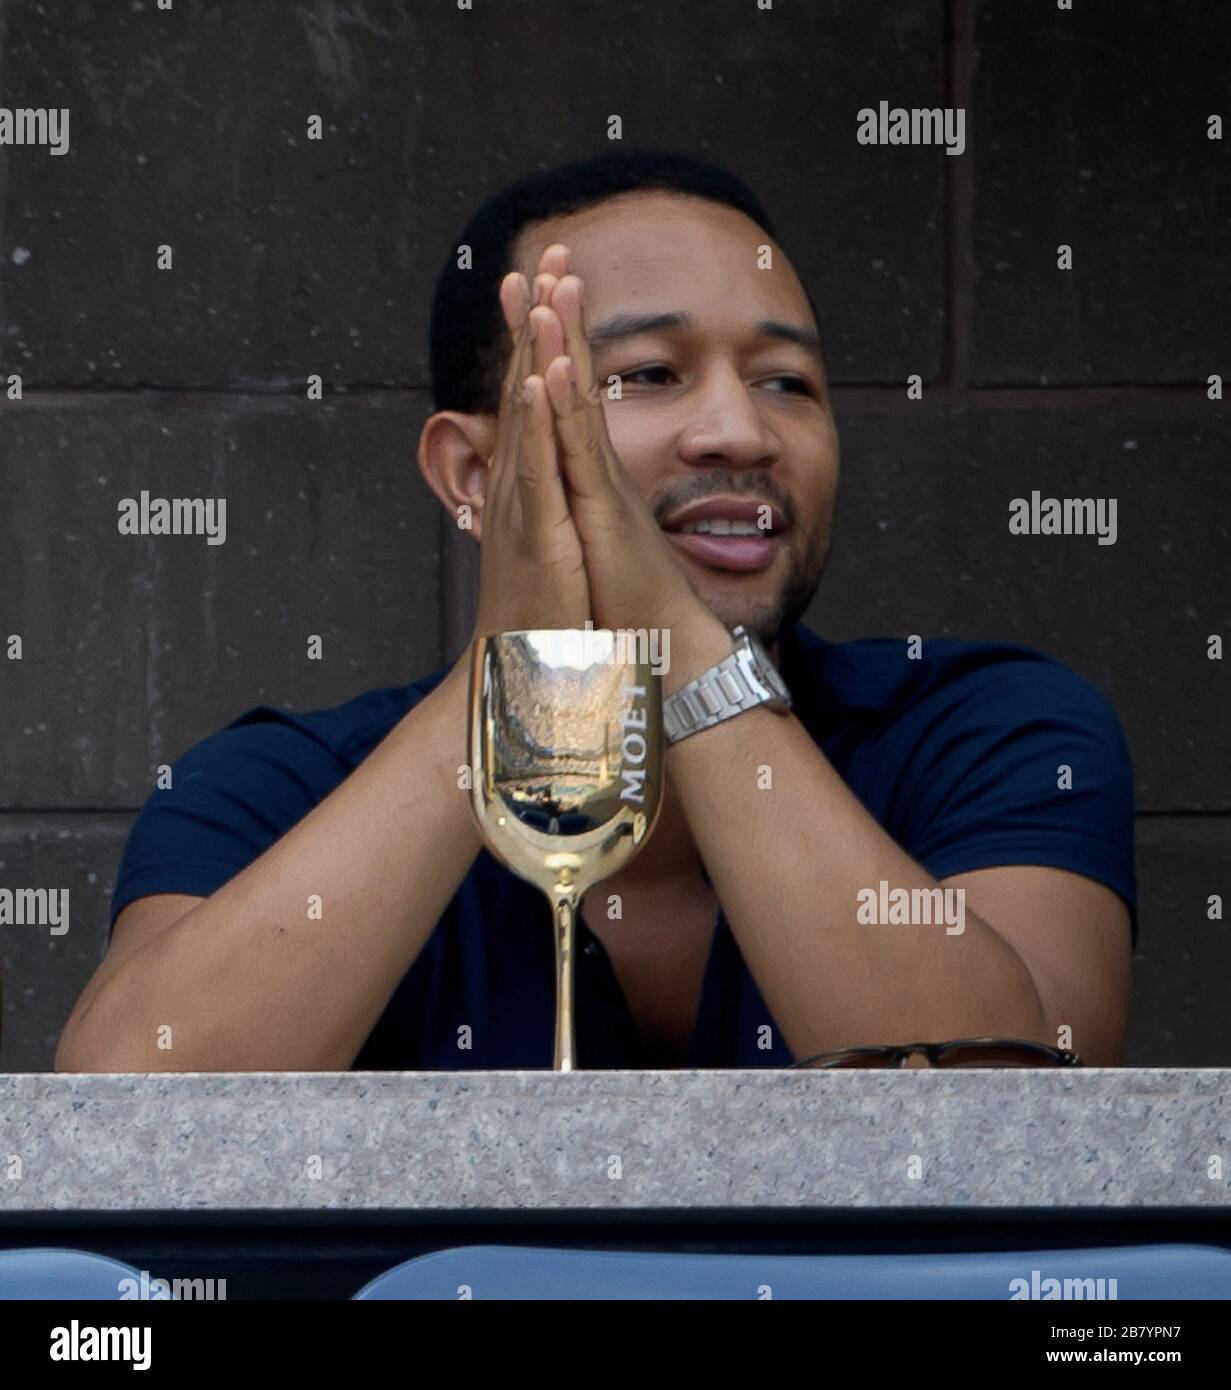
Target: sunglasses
{"x": 962, "y": 1052}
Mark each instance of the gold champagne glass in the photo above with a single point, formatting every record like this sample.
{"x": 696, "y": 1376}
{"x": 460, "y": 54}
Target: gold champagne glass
{"x": 566, "y": 757}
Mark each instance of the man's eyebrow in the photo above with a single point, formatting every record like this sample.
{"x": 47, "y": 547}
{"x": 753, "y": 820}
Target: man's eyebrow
{"x": 621, "y": 326}
{"x": 807, "y": 338}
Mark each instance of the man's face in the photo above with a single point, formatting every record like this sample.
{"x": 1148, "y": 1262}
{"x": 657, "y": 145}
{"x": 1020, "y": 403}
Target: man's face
{"x": 714, "y": 409}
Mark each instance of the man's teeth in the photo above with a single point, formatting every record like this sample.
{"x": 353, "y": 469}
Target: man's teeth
{"x": 722, "y": 528}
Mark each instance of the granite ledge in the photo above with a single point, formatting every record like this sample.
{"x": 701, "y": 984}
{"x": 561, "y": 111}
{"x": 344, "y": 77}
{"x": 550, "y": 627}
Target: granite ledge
{"x": 614, "y": 1140}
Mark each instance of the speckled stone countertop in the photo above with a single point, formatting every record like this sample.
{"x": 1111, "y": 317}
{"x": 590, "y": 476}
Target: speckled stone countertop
{"x": 420, "y": 1141}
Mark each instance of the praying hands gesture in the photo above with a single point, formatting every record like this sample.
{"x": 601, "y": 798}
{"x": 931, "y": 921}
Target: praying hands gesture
{"x": 566, "y": 535}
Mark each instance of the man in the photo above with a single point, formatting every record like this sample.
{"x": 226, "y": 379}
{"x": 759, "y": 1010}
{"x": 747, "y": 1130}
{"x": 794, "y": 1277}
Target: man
{"x": 657, "y": 379}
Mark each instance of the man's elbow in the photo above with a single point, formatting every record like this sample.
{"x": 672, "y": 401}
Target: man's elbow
{"x": 72, "y": 1056}
{"x": 82, "y": 1047}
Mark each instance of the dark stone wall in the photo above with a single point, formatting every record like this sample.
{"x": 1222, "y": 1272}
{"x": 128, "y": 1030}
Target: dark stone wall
{"x": 1085, "y": 127}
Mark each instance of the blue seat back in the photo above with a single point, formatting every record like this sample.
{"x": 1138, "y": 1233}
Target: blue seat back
{"x": 517, "y": 1272}
{"x": 54, "y": 1273}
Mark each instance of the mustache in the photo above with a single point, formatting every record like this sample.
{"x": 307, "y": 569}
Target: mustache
{"x": 723, "y": 485}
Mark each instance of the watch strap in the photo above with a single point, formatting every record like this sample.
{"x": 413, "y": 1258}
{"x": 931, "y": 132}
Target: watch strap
{"x": 728, "y": 688}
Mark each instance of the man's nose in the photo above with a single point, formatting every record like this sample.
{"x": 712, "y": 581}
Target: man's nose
{"x": 726, "y": 425}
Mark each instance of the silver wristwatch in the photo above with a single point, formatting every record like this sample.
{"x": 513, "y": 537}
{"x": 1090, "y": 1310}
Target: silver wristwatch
{"x": 741, "y": 681}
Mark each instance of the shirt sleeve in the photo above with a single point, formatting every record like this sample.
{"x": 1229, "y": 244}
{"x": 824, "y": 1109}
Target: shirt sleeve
{"x": 1021, "y": 761}
{"x": 231, "y": 797}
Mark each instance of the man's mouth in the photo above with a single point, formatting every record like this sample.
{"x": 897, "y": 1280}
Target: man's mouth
{"x": 727, "y": 533}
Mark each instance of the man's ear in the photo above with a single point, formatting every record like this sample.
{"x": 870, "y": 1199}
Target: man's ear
{"x": 454, "y": 450}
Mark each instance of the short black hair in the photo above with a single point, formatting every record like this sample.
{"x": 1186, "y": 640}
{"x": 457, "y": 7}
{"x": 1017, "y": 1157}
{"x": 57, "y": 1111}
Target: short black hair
{"x": 469, "y": 338}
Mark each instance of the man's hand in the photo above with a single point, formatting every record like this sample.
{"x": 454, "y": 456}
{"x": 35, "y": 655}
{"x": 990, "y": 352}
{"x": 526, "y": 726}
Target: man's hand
{"x": 531, "y": 568}
{"x": 635, "y": 576}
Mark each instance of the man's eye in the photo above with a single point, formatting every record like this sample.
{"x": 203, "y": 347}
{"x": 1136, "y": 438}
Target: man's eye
{"x": 645, "y": 372}
{"x": 794, "y": 384}
{"x": 659, "y": 375}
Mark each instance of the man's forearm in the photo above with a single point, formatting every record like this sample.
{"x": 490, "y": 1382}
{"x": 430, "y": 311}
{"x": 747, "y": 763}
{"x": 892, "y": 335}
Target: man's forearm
{"x": 248, "y": 980}
{"x": 789, "y": 848}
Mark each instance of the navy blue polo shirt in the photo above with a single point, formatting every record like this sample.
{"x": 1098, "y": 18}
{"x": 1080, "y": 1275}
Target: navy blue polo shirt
{"x": 957, "y": 754}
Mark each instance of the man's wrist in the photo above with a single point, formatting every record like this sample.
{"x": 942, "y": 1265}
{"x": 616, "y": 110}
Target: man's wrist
{"x": 698, "y": 642}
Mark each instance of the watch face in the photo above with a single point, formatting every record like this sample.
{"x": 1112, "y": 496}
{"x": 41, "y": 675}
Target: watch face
{"x": 776, "y": 683}
{"x": 766, "y": 669}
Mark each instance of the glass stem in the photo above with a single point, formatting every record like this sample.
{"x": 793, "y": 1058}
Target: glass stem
{"x": 565, "y": 902}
